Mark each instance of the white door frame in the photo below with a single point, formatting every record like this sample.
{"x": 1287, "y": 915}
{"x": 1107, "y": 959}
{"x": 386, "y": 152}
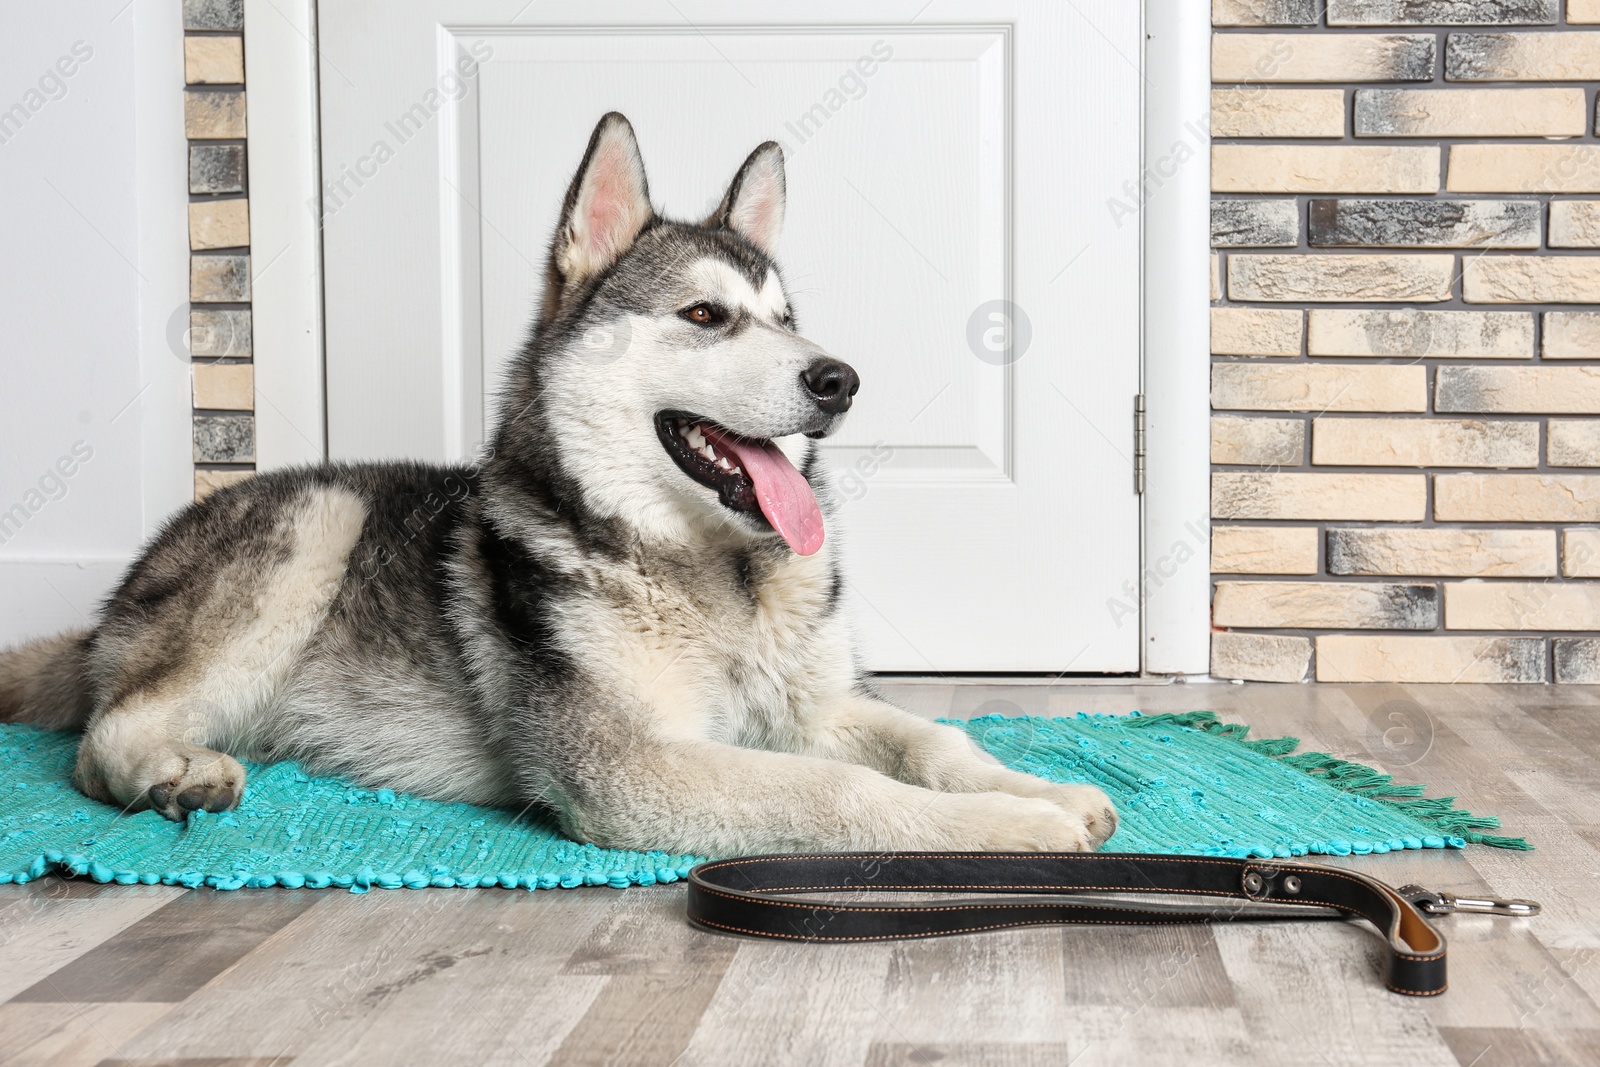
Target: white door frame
{"x": 1170, "y": 200}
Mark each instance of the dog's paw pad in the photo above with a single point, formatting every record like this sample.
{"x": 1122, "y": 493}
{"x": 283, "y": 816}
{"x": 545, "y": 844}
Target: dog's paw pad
{"x": 209, "y": 781}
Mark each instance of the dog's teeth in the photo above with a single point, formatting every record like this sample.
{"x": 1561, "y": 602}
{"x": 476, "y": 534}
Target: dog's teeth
{"x": 706, "y": 451}
{"x": 683, "y": 430}
{"x": 695, "y": 438}
{"x": 723, "y": 464}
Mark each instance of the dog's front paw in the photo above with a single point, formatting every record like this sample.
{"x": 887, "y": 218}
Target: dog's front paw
{"x": 1002, "y": 822}
{"x": 1091, "y": 805}
{"x": 195, "y": 779}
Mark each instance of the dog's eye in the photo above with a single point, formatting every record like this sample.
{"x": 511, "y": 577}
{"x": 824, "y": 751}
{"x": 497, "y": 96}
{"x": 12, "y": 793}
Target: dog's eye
{"x": 705, "y": 314}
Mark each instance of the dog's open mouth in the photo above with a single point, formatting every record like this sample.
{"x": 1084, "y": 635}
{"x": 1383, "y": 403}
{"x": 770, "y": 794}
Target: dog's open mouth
{"x": 748, "y": 474}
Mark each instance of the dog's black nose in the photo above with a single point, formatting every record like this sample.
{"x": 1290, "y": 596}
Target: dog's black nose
{"x": 834, "y": 384}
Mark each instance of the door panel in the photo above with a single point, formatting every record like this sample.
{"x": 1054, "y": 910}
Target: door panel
{"x": 948, "y": 179}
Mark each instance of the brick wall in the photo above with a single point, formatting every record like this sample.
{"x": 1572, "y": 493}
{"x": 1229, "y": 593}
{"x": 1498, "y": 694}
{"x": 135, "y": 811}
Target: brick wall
{"x": 220, "y": 348}
{"x": 1406, "y": 363}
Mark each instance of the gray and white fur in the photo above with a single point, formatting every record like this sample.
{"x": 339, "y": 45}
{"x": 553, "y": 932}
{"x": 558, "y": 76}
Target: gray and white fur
{"x": 589, "y": 619}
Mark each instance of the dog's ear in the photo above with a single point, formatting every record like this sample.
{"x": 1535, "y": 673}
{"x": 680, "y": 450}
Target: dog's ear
{"x": 753, "y": 204}
{"x": 607, "y": 205}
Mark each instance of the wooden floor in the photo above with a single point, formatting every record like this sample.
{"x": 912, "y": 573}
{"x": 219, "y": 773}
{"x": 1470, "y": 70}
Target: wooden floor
{"x": 153, "y": 975}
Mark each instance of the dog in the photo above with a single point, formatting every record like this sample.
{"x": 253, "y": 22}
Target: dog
{"x": 626, "y": 611}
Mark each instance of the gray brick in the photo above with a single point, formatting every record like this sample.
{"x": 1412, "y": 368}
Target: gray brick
{"x": 1577, "y": 660}
{"x": 219, "y": 279}
{"x": 213, "y": 14}
{"x": 1254, "y": 224}
{"x": 219, "y": 333}
{"x": 1442, "y": 12}
{"x": 1424, "y": 223}
{"x": 216, "y": 168}
{"x": 224, "y": 439}
{"x": 1264, "y": 12}
{"x": 1534, "y": 56}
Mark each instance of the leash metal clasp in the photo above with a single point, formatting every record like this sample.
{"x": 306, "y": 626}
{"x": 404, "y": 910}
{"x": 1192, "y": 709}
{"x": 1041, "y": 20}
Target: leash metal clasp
{"x": 1438, "y": 903}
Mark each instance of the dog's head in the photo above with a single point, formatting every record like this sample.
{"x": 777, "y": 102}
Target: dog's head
{"x": 679, "y": 393}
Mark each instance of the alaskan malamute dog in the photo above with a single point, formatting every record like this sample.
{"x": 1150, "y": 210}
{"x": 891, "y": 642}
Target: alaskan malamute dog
{"x": 626, "y": 612}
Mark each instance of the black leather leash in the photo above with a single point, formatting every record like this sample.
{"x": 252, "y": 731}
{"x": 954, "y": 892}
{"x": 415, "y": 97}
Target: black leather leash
{"x": 748, "y": 895}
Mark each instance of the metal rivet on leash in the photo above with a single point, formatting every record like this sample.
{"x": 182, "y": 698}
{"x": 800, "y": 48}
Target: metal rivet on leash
{"x": 1253, "y": 882}
{"x": 1291, "y": 884}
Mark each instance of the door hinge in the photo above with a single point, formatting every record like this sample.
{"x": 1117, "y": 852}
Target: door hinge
{"x": 1138, "y": 443}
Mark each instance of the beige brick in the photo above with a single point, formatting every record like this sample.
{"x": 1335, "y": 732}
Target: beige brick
{"x": 219, "y": 224}
{"x": 1261, "y": 442}
{"x": 1293, "y": 495}
{"x": 1264, "y": 12}
{"x": 1264, "y": 550}
{"x": 1580, "y": 553}
{"x": 1408, "y": 333}
{"x": 1424, "y": 443}
{"x": 1400, "y": 658}
{"x": 1257, "y": 112}
{"x": 213, "y": 60}
{"x": 1575, "y": 224}
{"x": 1531, "y": 279}
{"x": 1326, "y": 605}
{"x": 1521, "y": 390}
{"x": 1515, "y": 498}
{"x": 209, "y": 481}
{"x": 1317, "y": 387}
{"x": 1442, "y": 552}
{"x": 1470, "y": 113}
{"x": 1574, "y": 443}
{"x": 219, "y": 279}
{"x": 224, "y": 386}
{"x": 1577, "y": 660}
{"x": 1583, "y": 12}
{"x": 1216, "y": 276}
{"x": 1322, "y": 57}
{"x": 1260, "y": 657}
{"x": 1508, "y": 57}
{"x": 1571, "y": 335}
{"x": 1522, "y": 606}
{"x": 1524, "y": 168}
{"x": 214, "y": 115}
{"x": 1239, "y": 331}
{"x": 1341, "y": 278}
{"x": 1262, "y": 168}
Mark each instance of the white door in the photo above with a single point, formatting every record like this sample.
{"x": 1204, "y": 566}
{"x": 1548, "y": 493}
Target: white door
{"x": 949, "y": 234}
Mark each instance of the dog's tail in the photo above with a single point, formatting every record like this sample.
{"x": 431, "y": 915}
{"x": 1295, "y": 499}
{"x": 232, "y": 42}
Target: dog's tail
{"x": 46, "y": 682}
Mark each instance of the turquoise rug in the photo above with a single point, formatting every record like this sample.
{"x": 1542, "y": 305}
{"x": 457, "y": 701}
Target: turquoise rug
{"x": 1182, "y": 783}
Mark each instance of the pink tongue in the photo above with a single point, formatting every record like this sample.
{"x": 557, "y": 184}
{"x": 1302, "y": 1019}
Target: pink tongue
{"x": 783, "y": 493}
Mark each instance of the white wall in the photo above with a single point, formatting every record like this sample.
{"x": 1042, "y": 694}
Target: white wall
{"x": 93, "y": 262}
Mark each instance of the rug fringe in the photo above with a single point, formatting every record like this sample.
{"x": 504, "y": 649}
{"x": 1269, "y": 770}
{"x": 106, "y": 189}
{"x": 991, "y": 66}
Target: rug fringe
{"x": 1357, "y": 778}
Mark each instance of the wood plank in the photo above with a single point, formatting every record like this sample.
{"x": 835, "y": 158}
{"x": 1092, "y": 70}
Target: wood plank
{"x": 175, "y": 949}
{"x": 397, "y": 976}
{"x": 1486, "y": 1047}
{"x": 70, "y": 1035}
{"x": 643, "y": 1018}
{"x": 786, "y": 1003}
{"x": 1320, "y": 986}
{"x": 645, "y": 933}
{"x": 48, "y": 923}
{"x": 899, "y": 1054}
